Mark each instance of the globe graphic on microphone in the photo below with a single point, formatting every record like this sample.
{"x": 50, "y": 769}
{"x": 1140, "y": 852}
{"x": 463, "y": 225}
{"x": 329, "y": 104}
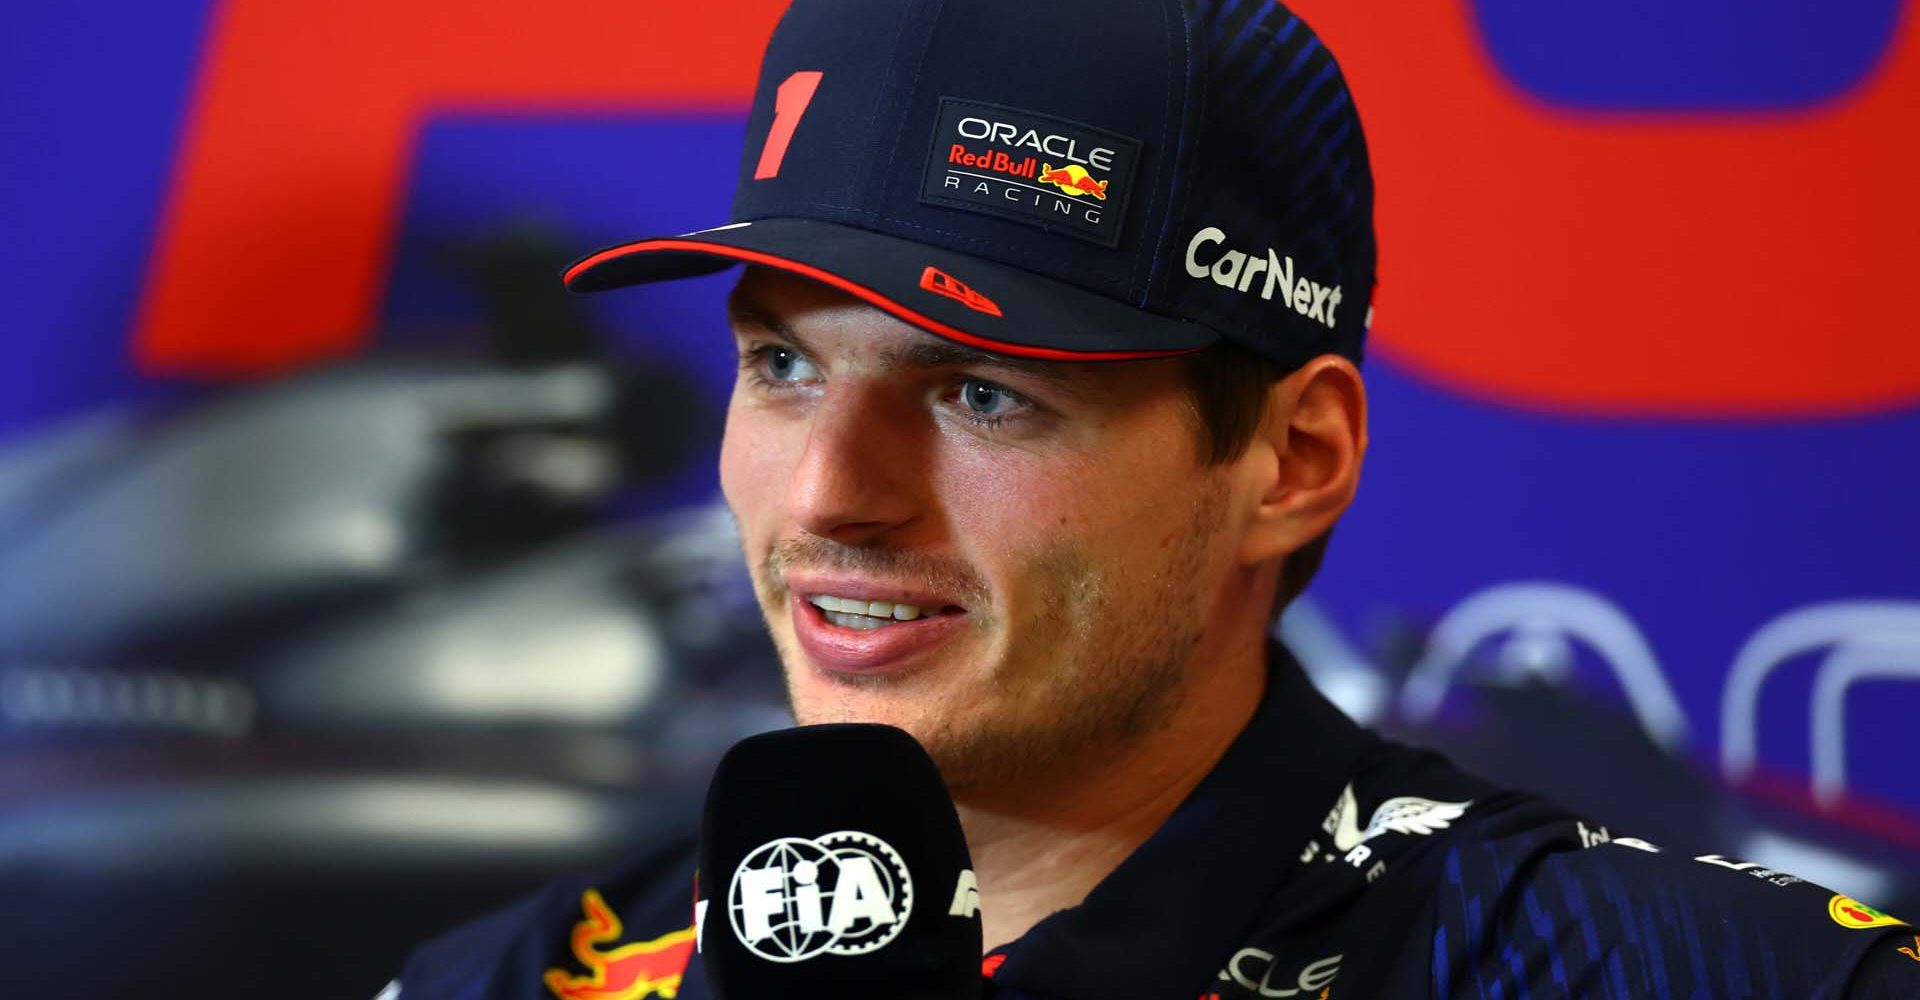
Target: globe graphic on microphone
{"x": 843, "y": 893}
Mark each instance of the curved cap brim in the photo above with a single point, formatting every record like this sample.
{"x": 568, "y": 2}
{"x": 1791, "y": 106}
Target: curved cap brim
{"x": 962, "y": 298}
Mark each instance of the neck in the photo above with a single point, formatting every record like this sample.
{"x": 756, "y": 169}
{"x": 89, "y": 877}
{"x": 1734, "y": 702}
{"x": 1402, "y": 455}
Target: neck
{"x": 1042, "y": 847}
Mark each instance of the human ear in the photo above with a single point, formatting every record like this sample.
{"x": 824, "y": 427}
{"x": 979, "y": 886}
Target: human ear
{"x": 1313, "y": 438}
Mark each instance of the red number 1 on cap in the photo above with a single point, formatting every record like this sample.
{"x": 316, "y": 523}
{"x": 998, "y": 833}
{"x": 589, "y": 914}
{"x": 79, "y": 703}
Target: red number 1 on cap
{"x": 789, "y": 103}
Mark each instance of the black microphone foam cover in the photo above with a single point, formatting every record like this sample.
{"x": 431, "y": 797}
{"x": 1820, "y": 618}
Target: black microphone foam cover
{"x": 832, "y": 865}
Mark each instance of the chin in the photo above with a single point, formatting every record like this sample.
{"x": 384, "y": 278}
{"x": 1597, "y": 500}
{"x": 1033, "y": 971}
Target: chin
{"x": 959, "y": 742}
{"x": 818, "y": 698}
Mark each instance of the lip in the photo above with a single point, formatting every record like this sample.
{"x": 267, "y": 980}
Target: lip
{"x": 803, "y": 585}
{"x": 888, "y": 649}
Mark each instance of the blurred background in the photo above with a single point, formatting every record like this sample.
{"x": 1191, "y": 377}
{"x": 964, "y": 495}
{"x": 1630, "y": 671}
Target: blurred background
{"x": 354, "y": 578}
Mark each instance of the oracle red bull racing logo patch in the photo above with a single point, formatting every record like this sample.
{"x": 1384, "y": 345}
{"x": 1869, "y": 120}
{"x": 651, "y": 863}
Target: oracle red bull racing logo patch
{"x": 623, "y": 972}
{"x": 1060, "y": 175}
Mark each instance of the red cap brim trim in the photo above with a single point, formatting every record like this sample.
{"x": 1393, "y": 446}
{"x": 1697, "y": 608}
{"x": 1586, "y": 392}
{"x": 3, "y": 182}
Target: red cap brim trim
{"x": 868, "y": 295}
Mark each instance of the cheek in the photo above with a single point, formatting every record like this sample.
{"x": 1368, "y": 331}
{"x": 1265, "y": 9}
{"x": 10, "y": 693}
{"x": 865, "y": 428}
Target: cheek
{"x": 751, "y": 472}
{"x": 1019, "y": 519}
{"x": 1126, "y": 491}
{"x": 1008, "y": 502}
{"x": 1130, "y": 518}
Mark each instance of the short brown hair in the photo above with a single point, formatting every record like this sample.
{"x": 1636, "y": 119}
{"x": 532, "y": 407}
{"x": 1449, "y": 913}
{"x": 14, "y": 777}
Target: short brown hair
{"x": 1230, "y": 388}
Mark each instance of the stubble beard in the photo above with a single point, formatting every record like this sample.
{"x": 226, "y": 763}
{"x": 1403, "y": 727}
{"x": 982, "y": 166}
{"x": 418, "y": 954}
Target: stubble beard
{"x": 1099, "y": 667}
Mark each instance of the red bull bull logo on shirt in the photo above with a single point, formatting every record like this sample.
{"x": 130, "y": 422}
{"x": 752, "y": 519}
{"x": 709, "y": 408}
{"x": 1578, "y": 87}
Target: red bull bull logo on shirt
{"x": 626, "y": 972}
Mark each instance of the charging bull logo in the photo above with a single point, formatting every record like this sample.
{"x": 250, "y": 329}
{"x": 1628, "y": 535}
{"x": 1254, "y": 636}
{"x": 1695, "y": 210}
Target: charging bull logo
{"x": 628, "y": 972}
{"x": 1074, "y": 180}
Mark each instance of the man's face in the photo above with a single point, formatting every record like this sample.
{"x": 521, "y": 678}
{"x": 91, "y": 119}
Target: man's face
{"x": 1014, "y": 561}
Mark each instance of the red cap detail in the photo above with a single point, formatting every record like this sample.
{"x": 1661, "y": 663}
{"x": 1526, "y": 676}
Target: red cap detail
{"x": 941, "y": 283}
{"x": 867, "y": 295}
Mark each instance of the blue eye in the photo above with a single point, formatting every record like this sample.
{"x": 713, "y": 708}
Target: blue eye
{"x": 784, "y": 364}
{"x": 987, "y": 399}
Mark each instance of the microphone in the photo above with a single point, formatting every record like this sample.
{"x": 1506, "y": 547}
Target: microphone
{"x": 832, "y": 865}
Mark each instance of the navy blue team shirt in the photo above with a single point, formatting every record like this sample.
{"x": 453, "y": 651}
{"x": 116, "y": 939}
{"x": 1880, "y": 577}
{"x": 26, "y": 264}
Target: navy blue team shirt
{"x": 1316, "y": 861}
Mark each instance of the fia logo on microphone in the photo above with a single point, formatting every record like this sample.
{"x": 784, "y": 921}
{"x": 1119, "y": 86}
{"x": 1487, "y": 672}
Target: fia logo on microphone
{"x": 844, "y": 893}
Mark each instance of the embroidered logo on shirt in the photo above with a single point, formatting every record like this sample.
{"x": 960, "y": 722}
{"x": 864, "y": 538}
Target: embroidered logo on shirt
{"x": 1854, "y": 915}
{"x": 627, "y": 972}
{"x": 1254, "y": 969}
{"x": 1407, "y": 814}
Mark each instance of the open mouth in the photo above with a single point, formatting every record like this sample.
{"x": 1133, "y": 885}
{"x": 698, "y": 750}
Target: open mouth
{"x": 865, "y": 616}
{"x": 846, "y": 635}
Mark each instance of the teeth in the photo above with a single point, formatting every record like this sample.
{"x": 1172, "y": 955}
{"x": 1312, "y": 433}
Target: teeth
{"x": 864, "y": 623}
{"x": 878, "y": 612}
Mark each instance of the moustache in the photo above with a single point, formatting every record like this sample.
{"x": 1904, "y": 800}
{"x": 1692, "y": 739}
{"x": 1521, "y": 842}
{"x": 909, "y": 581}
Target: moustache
{"x": 943, "y": 575}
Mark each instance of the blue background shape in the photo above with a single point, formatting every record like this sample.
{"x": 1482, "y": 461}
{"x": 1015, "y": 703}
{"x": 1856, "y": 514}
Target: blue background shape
{"x": 1687, "y": 55}
{"x": 94, "y": 100}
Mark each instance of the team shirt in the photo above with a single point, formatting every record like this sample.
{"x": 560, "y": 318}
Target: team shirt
{"x": 1316, "y": 861}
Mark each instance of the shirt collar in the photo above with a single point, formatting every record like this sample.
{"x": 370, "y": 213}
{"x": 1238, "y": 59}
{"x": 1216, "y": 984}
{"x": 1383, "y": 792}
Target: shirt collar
{"x": 1163, "y": 922}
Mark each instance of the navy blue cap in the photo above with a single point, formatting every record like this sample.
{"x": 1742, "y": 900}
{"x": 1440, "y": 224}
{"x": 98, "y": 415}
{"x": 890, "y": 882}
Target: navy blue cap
{"x": 1073, "y": 180}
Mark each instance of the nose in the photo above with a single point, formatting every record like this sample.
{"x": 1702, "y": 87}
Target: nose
{"x": 856, "y": 482}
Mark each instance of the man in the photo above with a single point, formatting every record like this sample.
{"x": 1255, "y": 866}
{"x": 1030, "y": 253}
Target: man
{"x": 1048, "y": 401}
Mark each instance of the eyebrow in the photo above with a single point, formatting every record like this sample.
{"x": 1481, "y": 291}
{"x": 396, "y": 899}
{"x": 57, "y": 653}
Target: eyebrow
{"x": 946, "y": 354}
{"x": 744, "y": 310}
{"x": 929, "y": 352}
